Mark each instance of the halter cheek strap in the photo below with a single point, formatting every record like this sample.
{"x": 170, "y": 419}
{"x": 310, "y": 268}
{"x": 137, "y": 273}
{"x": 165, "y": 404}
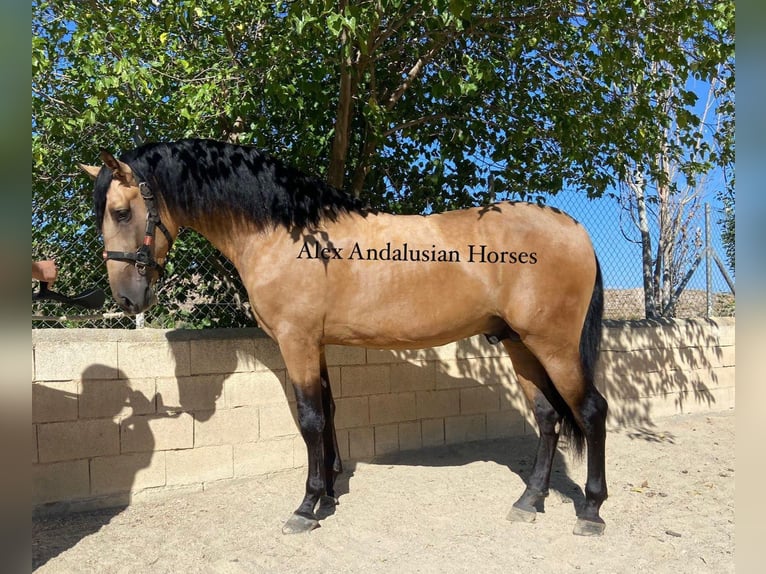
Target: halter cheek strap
{"x": 144, "y": 255}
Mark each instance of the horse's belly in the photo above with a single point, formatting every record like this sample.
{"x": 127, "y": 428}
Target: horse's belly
{"x": 396, "y": 339}
{"x": 417, "y": 313}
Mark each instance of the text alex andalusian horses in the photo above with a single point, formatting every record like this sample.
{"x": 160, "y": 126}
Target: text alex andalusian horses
{"x": 321, "y": 269}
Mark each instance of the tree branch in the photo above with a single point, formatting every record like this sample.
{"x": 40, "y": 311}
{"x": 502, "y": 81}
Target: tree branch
{"x": 339, "y": 152}
{"x": 415, "y": 122}
{"x": 395, "y": 26}
{"x": 416, "y": 70}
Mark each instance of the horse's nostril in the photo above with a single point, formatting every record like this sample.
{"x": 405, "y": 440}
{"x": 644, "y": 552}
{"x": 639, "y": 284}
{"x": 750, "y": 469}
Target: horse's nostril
{"x": 127, "y": 304}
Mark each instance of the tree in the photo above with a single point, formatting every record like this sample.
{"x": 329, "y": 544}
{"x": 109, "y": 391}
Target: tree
{"x": 662, "y": 193}
{"x": 415, "y": 107}
{"x": 727, "y": 223}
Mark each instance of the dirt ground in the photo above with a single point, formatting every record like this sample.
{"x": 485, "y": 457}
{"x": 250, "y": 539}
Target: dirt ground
{"x": 670, "y": 509}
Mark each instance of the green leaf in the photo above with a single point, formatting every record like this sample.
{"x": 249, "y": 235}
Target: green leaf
{"x": 335, "y": 24}
{"x": 539, "y": 100}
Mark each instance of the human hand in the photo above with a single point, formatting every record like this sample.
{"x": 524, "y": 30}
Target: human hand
{"x": 45, "y": 270}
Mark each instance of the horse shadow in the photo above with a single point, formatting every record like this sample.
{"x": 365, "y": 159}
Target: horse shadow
{"x": 511, "y": 444}
{"x": 516, "y": 453}
{"x": 119, "y": 409}
{"x": 636, "y": 384}
{"x": 130, "y": 408}
{"x": 198, "y": 391}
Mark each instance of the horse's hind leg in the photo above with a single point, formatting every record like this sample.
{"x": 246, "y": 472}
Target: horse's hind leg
{"x": 333, "y": 465}
{"x": 303, "y": 367}
{"x": 592, "y": 416}
{"x": 588, "y": 408}
{"x": 535, "y": 384}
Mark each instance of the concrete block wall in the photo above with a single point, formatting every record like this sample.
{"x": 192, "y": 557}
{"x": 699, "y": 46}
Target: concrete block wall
{"x": 119, "y": 415}
{"x": 650, "y": 369}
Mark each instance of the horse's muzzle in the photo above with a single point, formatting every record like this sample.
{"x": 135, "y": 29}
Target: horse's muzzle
{"x": 135, "y": 303}
{"x": 131, "y": 290}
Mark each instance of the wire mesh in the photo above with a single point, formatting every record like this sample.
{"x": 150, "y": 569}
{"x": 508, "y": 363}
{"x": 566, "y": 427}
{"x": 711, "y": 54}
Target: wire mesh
{"x": 617, "y": 242}
{"x": 202, "y": 288}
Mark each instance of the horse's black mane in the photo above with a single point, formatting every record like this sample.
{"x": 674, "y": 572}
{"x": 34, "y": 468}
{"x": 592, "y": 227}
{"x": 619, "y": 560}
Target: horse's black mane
{"x": 202, "y": 177}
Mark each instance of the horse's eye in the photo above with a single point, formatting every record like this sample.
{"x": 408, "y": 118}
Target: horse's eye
{"x": 122, "y": 215}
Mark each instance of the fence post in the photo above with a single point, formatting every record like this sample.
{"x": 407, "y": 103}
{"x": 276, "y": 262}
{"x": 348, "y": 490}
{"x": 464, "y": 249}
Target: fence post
{"x": 708, "y": 265}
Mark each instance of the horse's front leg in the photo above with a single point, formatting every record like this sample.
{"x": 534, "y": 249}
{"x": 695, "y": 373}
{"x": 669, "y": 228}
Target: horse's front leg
{"x": 303, "y": 367}
{"x": 333, "y": 463}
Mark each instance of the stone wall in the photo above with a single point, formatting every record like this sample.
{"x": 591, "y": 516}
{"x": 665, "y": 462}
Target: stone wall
{"x": 119, "y": 415}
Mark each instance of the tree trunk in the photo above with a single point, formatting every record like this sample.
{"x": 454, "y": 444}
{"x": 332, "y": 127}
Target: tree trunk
{"x": 667, "y": 235}
{"x": 650, "y": 301}
{"x": 336, "y": 173}
{"x": 363, "y": 168}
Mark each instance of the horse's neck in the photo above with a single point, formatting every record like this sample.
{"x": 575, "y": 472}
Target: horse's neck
{"x": 234, "y": 239}
{"x": 255, "y": 251}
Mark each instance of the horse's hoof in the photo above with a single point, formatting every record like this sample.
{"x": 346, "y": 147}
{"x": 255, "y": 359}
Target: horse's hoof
{"x": 589, "y": 527}
{"x": 518, "y": 514}
{"x": 298, "y": 524}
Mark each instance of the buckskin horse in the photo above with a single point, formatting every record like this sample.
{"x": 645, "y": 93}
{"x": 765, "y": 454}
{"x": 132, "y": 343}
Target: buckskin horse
{"x": 320, "y": 268}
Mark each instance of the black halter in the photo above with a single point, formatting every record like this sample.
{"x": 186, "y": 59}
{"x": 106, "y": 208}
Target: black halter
{"x": 144, "y": 256}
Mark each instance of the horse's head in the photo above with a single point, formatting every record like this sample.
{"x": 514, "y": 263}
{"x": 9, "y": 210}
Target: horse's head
{"x": 131, "y": 215}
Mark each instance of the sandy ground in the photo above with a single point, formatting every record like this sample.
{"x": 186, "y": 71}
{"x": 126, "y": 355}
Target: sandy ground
{"x": 670, "y": 509}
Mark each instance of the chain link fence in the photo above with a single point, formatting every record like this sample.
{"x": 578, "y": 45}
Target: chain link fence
{"x": 616, "y": 238}
{"x": 202, "y": 289}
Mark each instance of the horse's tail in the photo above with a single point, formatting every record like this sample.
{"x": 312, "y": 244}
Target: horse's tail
{"x": 591, "y": 329}
{"x": 590, "y": 337}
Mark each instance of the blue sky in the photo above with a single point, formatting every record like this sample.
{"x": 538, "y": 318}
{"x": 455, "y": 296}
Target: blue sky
{"x": 620, "y": 259}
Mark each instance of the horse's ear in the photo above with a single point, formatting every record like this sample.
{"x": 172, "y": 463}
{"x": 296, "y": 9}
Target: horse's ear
{"x": 91, "y": 170}
{"x": 120, "y": 170}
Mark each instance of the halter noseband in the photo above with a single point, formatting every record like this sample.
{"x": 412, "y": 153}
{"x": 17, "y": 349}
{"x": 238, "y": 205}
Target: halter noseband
{"x": 144, "y": 256}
